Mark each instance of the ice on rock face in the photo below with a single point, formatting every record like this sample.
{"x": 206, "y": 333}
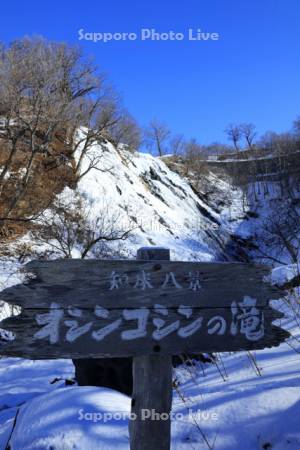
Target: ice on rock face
{"x": 158, "y": 203}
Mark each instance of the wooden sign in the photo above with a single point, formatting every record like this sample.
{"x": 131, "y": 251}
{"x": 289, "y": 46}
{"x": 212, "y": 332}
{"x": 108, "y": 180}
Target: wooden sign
{"x": 149, "y": 309}
{"x": 83, "y": 309}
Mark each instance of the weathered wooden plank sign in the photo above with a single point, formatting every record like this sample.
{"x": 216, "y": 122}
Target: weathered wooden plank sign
{"x": 79, "y": 309}
{"x": 150, "y": 309}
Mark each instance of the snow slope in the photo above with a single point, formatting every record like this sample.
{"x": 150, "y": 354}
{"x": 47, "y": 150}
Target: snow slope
{"x": 244, "y": 400}
{"x": 161, "y": 206}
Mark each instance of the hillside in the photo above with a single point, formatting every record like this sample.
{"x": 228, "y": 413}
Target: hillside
{"x": 241, "y": 400}
{"x": 162, "y": 207}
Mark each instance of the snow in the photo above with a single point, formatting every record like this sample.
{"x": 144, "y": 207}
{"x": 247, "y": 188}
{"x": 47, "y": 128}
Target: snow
{"x": 74, "y": 418}
{"x": 143, "y": 192}
{"x": 10, "y": 274}
{"x": 242, "y": 401}
{"x": 283, "y": 274}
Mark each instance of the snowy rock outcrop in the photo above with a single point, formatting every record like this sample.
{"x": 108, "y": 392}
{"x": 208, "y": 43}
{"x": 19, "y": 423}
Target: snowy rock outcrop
{"x": 160, "y": 206}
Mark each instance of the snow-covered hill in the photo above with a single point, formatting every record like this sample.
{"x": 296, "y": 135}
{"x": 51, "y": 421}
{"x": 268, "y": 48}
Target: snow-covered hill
{"x": 162, "y": 207}
{"x": 243, "y": 400}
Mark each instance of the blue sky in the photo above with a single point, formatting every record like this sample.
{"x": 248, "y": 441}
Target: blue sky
{"x": 251, "y": 74}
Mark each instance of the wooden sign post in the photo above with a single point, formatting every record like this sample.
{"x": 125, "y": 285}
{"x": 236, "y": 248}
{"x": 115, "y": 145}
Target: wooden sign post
{"x": 149, "y": 309}
{"x": 152, "y": 388}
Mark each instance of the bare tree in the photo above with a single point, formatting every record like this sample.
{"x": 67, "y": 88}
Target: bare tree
{"x": 296, "y": 126}
{"x": 41, "y": 87}
{"x": 90, "y": 131}
{"x": 195, "y": 162}
{"x": 281, "y": 234}
{"x": 177, "y": 145}
{"x": 234, "y": 134}
{"x": 126, "y": 131}
{"x": 104, "y": 120}
{"x": 248, "y": 130}
{"x": 54, "y": 104}
{"x": 156, "y": 137}
{"x": 217, "y": 149}
{"x": 279, "y": 144}
{"x": 70, "y": 228}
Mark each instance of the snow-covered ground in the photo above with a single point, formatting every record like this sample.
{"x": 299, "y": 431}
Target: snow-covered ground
{"x": 244, "y": 401}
